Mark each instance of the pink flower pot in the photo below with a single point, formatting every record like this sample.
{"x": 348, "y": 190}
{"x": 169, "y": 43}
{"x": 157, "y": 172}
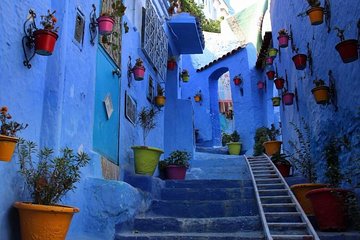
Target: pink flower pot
{"x": 269, "y": 60}
{"x": 175, "y": 172}
{"x": 348, "y": 50}
{"x": 139, "y": 73}
{"x": 283, "y": 41}
{"x": 279, "y": 83}
{"x": 288, "y": 98}
{"x": 300, "y": 61}
{"x": 260, "y": 85}
{"x": 105, "y": 24}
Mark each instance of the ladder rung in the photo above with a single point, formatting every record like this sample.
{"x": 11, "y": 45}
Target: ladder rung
{"x": 286, "y": 224}
{"x": 275, "y": 197}
{"x": 265, "y": 175}
{"x": 262, "y": 168}
{"x": 283, "y": 213}
{"x": 278, "y": 204}
{"x": 272, "y": 190}
{"x": 267, "y": 179}
{"x": 270, "y": 184}
{"x": 264, "y": 171}
{"x": 293, "y": 237}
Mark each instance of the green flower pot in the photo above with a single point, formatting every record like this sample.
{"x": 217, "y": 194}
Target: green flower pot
{"x": 146, "y": 159}
{"x": 234, "y": 148}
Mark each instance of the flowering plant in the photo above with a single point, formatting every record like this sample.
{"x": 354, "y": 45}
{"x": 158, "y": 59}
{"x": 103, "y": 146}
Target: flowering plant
{"x": 9, "y": 128}
{"x": 48, "y": 21}
{"x": 139, "y": 63}
{"x": 283, "y": 32}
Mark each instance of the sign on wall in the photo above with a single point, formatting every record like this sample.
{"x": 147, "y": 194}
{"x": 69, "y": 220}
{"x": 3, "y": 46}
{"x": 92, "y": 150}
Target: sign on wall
{"x": 130, "y": 108}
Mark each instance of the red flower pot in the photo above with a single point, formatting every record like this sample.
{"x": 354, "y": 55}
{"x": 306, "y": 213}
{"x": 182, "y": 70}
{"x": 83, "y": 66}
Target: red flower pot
{"x": 269, "y": 60}
{"x": 283, "y": 41}
{"x": 300, "y": 61}
{"x": 270, "y": 74}
{"x": 105, "y": 24}
{"x": 175, "y": 172}
{"x": 45, "y": 42}
{"x": 329, "y": 208}
{"x": 348, "y": 50}
{"x": 260, "y": 84}
{"x": 171, "y": 65}
{"x": 288, "y": 98}
{"x": 283, "y": 169}
{"x": 139, "y": 73}
{"x": 237, "y": 81}
{"x": 279, "y": 83}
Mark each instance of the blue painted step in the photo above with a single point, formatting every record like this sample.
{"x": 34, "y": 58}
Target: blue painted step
{"x": 218, "y": 183}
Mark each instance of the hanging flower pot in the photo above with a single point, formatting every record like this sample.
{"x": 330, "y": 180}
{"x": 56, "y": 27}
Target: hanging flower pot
{"x": 300, "y": 61}
{"x": 198, "y": 96}
{"x": 160, "y": 101}
{"x": 45, "y": 41}
{"x": 276, "y": 101}
{"x": 237, "y": 80}
{"x": 316, "y": 15}
{"x": 283, "y": 38}
{"x": 279, "y": 83}
{"x": 7, "y": 147}
{"x": 348, "y": 50}
{"x": 269, "y": 60}
{"x": 139, "y": 70}
{"x": 260, "y": 84}
{"x": 288, "y": 98}
{"x": 273, "y": 52}
{"x": 185, "y": 75}
{"x": 321, "y": 92}
{"x": 105, "y": 24}
{"x": 270, "y": 74}
{"x": 171, "y": 64}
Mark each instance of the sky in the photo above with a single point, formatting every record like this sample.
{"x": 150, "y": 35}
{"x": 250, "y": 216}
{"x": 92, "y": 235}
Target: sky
{"x": 238, "y": 5}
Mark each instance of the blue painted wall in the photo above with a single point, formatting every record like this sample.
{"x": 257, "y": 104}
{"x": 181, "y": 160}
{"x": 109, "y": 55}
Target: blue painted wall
{"x": 324, "y": 121}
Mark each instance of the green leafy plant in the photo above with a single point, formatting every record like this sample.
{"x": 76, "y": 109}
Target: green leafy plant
{"x": 160, "y": 90}
{"x": 225, "y": 138}
{"x": 259, "y": 138}
{"x": 178, "y": 158}
{"x": 283, "y": 32}
{"x": 333, "y": 172}
{"x": 9, "y": 128}
{"x": 235, "y": 137}
{"x": 319, "y": 82}
{"x": 50, "y": 178}
{"x": 301, "y": 155}
{"x": 146, "y": 119}
{"x": 117, "y": 9}
{"x": 184, "y": 73}
{"x": 273, "y": 132}
{"x": 314, "y": 3}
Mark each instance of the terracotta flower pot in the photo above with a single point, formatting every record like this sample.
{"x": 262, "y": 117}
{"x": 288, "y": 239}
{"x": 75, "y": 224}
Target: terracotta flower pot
{"x": 348, "y": 50}
{"x": 300, "y": 61}
{"x": 45, "y": 42}
{"x": 279, "y": 83}
{"x": 283, "y": 41}
{"x": 260, "y": 84}
{"x": 197, "y": 98}
{"x": 171, "y": 65}
{"x": 175, "y": 172}
{"x": 160, "y": 101}
{"x": 288, "y": 98}
{"x": 139, "y": 73}
{"x": 7, "y": 147}
{"x": 269, "y": 60}
{"x": 272, "y": 147}
{"x": 105, "y": 24}
{"x": 284, "y": 169}
{"x": 270, "y": 74}
{"x": 329, "y": 208}
{"x": 273, "y": 52}
{"x": 237, "y": 81}
{"x": 276, "y": 101}
{"x": 321, "y": 94}
{"x": 316, "y": 15}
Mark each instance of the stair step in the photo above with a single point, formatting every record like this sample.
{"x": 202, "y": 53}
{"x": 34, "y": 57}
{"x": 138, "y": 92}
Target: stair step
{"x": 293, "y": 237}
{"x": 218, "y": 183}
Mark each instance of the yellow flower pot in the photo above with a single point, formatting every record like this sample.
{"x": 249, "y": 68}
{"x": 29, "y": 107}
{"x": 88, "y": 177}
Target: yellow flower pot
{"x": 300, "y": 190}
{"x": 160, "y": 101}
{"x": 44, "y": 222}
{"x": 7, "y": 147}
{"x": 272, "y": 147}
{"x": 146, "y": 159}
{"x": 185, "y": 78}
{"x": 273, "y": 52}
{"x": 321, "y": 94}
{"x": 276, "y": 101}
{"x": 316, "y": 15}
{"x": 234, "y": 148}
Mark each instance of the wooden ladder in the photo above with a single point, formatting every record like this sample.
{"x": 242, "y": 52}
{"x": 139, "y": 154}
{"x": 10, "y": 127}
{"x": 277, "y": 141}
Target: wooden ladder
{"x": 281, "y": 215}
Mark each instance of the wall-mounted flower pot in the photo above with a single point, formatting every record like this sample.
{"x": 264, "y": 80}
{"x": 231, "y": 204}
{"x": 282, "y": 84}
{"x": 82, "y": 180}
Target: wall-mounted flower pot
{"x": 300, "y": 61}
{"x": 269, "y": 60}
{"x": 139, "y": 73}
{"x": 175, "y": 172}
{"x": 321, "y": 94}
{"x": 146, "y": 159}
{"x": 283, "y": 41}
{"x": 276, "y": 101}
{"x": 7, "y": 147}
{"x": 237, "y": 81}
{"x": 316, "y": 15}
{"x": 105, "y": 24}
{"x": 348, "y": 50}
{"x": 329, "y": 208}
{"x": 44, "y": 221}
{"x": 270, "y": 74}
{"x": 185, "y": 78}
{"x": 171, "y": 64}
{"x": 234, "y": 148}
{"x": 260, "y": 84}
{"x": 273, "y": 52}
{"x": 160, "y": 101}
{"x": 45, "y": 42}
{"x": 279, "y": 83}
{"x": 272, "y": 147}
{"x": 288, "y": 98}
{"x": 197, "y": 98}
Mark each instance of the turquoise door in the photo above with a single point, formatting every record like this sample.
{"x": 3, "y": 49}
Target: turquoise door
{"x": 106, "y": 120}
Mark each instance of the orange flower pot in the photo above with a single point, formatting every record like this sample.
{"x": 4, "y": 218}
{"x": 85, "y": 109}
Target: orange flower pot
{"x": 316, "y": 15}
{"x": 197, "y": 98}
{"x": 160, "y": 101}
{"x": 321, "y": 94}
{"x": 272, "y": 147}
{"x": 44, "y": 222}
{"x": 7, "y": 147}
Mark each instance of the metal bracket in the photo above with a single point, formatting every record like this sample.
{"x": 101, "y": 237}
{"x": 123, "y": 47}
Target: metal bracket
{"x": 116, "y": 72}
{"x": 291, "y": 38}
{"x": 28, "y": 41}
{"x": 309, "y": 56}
{"x": 327, "y": 13}
{"x": 129, "y": 72}
{"x": 333, "y": 93}
{"x": 93, "y": 25}
{"x": 296, "y": 98}
{"x": 358, "y": 26}
{"x": 286, "y": 80}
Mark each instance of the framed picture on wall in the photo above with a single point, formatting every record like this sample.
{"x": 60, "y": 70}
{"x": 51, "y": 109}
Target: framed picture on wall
{"x": 130, "y": 108}
{"x": 150, "y": 90}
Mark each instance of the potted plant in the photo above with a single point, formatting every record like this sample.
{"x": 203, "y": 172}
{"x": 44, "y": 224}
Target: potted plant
{"x": 269, "y": 60}
{"x": 171, "y": 63}
{"x": 279, "y": 82}
{"x": 160, "y": 98}
{"x": 315, "y": 13}
{"x": 348, "y": 49}
{"x": 270, "y": 73}
{"x": 259, "y": 139}
{"x": 48, "y": 179}
{"x": 176, "y": 165}
{"x": 260, "y": 84}
{"x": 283, "y": 165}
{"x": 185, "y": 75}
{"x": 272, "y": 146}
{"x": 225, "y": 138}
{"x": 237, "y": 80}
{"x": 272, "y": 52}
{"x": 288, "y": 97}
{"x": 8, "y": 137}
{"x": 146, "y": 158}
{"x": 299, "y": 60}
{"x": 106, "y": 20}
{"x": 45, "y": 38}
{"x": 276, "y": 101}
{"x": 321, "y": 92}
{"x": 234, "y": 146}
{"x": 283, "y": 38}
{"x": 198, "y": 96}
{"x": 139, "y": 70}
{"x": 303, "y": 162}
